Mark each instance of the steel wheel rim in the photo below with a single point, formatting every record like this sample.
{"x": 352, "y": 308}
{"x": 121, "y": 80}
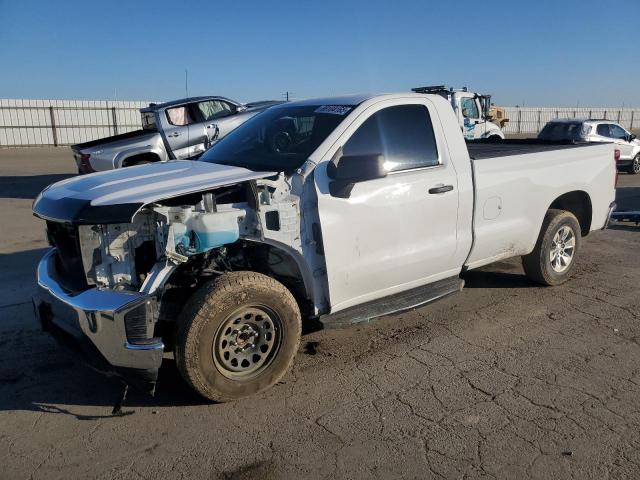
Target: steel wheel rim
{"x": 246, "y": 342}
{"x": 563, "y": 248}
{"x": 636, "y": 165}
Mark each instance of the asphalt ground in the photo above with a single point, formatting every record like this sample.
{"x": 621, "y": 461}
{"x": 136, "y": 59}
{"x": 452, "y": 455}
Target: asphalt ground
{"x": 504, "y": 380}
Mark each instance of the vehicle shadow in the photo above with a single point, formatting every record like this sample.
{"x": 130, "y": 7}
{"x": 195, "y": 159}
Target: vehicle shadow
{"x": 27, "y": 187}
{"x": 624, "y": 226}
{"x": 17, "y": 277}
{"x": 62, "y": 385}
{"x": 627, "y": 198}
{"x": 495, "y": 279}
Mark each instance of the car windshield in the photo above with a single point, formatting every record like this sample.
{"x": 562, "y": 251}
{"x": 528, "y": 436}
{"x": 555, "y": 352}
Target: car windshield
{"x": 279, "y": 139}
{"x": 558, "y": 131}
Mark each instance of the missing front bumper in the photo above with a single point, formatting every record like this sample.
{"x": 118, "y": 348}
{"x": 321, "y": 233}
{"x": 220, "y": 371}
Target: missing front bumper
{"x": 93, "y": 324}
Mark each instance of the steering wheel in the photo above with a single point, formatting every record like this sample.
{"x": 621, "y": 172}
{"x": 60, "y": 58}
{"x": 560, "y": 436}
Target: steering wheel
{"x": 281, "y": 141}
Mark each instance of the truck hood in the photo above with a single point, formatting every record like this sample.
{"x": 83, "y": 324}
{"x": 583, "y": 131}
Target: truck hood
{"x": 115, "y": 196}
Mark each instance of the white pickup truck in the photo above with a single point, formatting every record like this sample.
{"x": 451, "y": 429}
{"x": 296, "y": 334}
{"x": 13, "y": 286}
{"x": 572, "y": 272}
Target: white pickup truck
{"x": 338, "y": 210}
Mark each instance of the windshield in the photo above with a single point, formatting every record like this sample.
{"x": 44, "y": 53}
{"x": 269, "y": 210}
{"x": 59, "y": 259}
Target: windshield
{"x": 557, "y": 131}
{"x": 279, "y": 139}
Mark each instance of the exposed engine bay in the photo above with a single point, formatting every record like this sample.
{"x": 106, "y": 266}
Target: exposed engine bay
{"x": 197, "y": 234}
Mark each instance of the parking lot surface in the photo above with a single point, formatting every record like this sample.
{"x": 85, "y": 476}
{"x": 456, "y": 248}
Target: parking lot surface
{"x": 504, "y": 380}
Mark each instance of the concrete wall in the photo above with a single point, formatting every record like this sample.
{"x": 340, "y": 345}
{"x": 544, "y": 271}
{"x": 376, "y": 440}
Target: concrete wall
{"x": 65, "y": 122}
{"x": 532, "y": 119}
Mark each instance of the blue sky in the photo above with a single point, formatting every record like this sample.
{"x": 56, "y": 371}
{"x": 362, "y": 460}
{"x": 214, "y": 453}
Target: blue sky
{"x": 543, "y": 52}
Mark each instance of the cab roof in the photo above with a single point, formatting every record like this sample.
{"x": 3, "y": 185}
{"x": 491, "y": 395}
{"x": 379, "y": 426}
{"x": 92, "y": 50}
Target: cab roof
{"x": 157, "y": 106}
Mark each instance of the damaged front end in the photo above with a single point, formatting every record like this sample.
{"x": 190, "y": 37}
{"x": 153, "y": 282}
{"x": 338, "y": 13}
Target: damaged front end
{"x": 114, "y": 290}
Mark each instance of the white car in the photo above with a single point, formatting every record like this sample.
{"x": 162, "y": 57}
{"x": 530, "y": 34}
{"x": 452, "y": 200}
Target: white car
{"x": 597, "y": 131}
{"x": 338, "y": 209}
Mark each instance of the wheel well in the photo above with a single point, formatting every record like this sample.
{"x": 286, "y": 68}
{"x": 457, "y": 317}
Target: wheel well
{"x": 578, "y": 203}
{"x": 146, "y": 157}
{"x": 249, "y": 256}
{"x": 281, "y": 265}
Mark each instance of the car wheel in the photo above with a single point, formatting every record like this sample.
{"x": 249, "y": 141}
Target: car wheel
{"x": 634, "y": 168}
{"x": 553, "y": 258}
{"x": 237, "y": 336}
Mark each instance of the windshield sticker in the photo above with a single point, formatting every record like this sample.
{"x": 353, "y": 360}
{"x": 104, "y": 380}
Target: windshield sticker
{"x": 333, "y": 109}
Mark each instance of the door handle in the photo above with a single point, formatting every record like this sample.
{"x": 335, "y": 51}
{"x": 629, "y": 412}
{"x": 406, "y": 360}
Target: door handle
{"x": 174, "y": 134}
{"x": 441, "y": 189}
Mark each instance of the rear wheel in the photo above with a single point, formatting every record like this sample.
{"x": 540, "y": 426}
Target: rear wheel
{"x": 634, "y": 168}
{"x": 553, "y": 259}
{"x": 237, "y": 336}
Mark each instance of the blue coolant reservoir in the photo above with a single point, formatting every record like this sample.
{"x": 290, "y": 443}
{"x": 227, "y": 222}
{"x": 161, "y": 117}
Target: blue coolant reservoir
{"x": 214, "y": 229}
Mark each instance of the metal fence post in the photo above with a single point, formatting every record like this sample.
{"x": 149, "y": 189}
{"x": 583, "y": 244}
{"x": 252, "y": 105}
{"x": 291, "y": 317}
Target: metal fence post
{"x": 539, "y": 113}
{"x": 53, "y": 126}
{"x": 619, "y": 113}
{"x": 115, "y": 120}
{"x": 632, "y": 114}
{"x": 519, "y": 120}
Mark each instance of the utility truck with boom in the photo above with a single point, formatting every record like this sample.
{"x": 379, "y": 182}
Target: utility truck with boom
{"x": 336, "y": 210}
{"x": 472, "y": 111}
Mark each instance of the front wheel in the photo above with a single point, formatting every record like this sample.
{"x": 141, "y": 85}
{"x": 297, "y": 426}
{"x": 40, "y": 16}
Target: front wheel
{"x": 237, "y": 336}
{"x": 553, "y": 259}
{"x": 634, "y": 168}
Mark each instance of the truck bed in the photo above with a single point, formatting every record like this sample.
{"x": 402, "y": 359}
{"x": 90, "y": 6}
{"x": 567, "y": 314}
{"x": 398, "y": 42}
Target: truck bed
{"x": 113, "y": 138}
{"x": 482, "y": 149}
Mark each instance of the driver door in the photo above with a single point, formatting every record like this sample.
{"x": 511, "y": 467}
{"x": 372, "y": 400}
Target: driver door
{"x": 180, "y": 130}
{"x": 621, "y": 138}
{"x": 398, "y": 232}
{"x": 216, "y": 119}
{"x": 473, "y": 126}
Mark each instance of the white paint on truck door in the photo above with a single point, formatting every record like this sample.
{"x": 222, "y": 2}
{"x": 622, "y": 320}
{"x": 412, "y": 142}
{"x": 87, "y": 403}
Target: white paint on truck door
{"x": 391, "y": 234}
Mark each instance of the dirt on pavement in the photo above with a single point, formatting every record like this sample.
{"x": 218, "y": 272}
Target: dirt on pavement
{"x": 504, "y": 380}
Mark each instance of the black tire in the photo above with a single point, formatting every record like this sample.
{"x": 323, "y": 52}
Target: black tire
{"x": 634, "y": 168}
{"x": 203, "y": 328}
{"x": 495, "y": 138}
{"x": 538, "y": 264}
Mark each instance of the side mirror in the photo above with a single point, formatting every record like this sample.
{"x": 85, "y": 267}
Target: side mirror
{"x": 632, "y": 137}
{"x": 348, "y": 170}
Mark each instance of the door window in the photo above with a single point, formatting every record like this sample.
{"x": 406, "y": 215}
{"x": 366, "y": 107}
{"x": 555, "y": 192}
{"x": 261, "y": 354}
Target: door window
{"x": 618, "y": 132}
{"x": 214, "y": 109}
{"x": 179, "y": 116}
{"x": 469, "y": 108}
{"x": 403, "y": 134}
{"x": 603, "y": 130}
